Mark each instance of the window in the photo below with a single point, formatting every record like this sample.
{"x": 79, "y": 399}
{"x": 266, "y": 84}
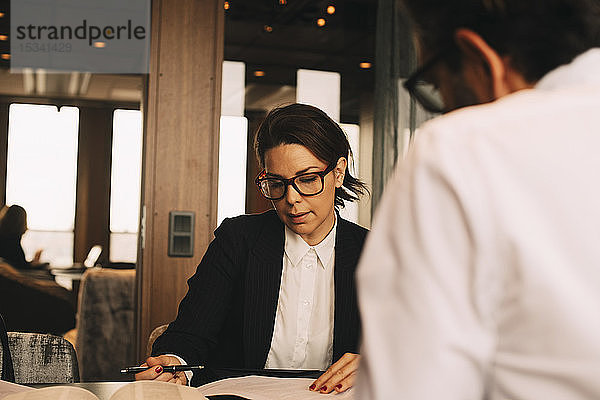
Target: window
{"x": 351, "y": 210}
{"x": 322, "y": 90}
{"x": 232, "y": 167}
{"x": 233, "y": 143}
{"x": 125, "y": 192}
{"x": 41, "y": 176}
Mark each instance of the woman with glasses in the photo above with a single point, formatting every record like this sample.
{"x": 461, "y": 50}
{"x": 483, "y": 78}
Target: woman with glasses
{"x": 276, "y": 290}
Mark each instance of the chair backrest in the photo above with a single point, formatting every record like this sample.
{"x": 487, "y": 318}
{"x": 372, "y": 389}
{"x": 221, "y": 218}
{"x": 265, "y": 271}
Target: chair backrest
{"x": 105, "y": 324}
{"x": 42, "y": 358}
{"x": 6, "y": 372}
{"x": 156, "y": 332}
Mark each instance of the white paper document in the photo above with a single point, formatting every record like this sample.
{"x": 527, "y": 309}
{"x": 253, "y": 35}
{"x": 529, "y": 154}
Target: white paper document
{"x": 249, "y": 387}
{"x": 141, "y": 390}
{"x": 269, "y": 388}
{"x": 54, "y": 393}
{"x": 7, "y": 388}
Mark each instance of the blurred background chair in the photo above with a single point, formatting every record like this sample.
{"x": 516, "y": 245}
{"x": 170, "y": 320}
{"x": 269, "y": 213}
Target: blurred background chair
{"x": 6, "y": 365}
{"x": 34, "y": 305}
{"x": 156, "y": 332}
{"x": 41, "y": 358}
{"x": 104, "y": 335}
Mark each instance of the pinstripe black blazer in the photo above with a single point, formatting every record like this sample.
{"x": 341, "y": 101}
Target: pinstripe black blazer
{"x": 227, "y": 317}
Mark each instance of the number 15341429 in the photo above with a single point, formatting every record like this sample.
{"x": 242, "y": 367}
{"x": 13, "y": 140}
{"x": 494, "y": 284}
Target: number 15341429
{"x": 33, "y": 47}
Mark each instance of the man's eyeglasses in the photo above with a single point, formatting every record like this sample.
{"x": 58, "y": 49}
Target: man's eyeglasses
{"x": 422, "y": 90}
{"x": 307, "y": 184}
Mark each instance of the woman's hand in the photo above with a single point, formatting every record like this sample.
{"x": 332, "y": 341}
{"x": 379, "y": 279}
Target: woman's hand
{"x": 339, "y": 377}
{"x": 155, "y": 371}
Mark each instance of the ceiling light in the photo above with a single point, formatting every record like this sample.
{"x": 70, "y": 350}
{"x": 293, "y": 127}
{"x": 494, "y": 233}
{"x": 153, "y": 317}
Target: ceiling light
{"x": 330, "y": 10}
{"x": 226, "y": 5}
{"x": 5, "y": 56}
{"x": 321, "y": 22}
{"x": 99, "y": 45}
{"x": 268, "y": 28}
{"x": 259, "y": 73}
{"x": 365, "y": 65}
{"x": 3, "y": 37}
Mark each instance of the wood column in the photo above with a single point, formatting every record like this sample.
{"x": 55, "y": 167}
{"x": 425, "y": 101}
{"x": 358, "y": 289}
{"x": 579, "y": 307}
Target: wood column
{"x": 181, "y": 119}
{"x": 255, "y": 202}
{"x": 92, "y": 211}
{"x": 3, "y": 149}
{"x": 366, "y": 157}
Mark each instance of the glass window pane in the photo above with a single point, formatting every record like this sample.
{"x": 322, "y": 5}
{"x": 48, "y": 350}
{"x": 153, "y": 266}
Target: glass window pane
{"x": 232, "y": 167}
{"x": 57, "y": 246}
{"x": 41, "y": 174}
{"x": 123, "y": 247}
{"x": 233, "y": 140}
{"x": 125, "y": 191}
{"x": 351, "y": 210}
{"x": 320, "y": 89}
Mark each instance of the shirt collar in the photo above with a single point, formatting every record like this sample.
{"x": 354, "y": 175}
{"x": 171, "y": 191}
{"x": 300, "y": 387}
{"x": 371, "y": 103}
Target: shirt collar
{"x": 583, "y": 70}
{"x": 296, "y": 248}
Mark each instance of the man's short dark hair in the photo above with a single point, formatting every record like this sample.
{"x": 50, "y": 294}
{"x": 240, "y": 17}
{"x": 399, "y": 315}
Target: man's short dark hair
{"x": 537, "y": 35}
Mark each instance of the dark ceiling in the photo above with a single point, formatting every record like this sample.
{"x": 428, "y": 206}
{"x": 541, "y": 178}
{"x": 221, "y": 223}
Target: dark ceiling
{"x": 4, "y": 30}
{"x": 281, "y": 38}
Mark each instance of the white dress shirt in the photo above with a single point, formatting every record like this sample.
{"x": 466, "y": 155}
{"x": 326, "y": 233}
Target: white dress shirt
{"x": 481, "y": 276}
{"x": 303, "y": 332}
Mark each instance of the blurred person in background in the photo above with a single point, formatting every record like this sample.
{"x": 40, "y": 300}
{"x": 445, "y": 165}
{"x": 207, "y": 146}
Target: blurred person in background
{"x": 13, "y": 225}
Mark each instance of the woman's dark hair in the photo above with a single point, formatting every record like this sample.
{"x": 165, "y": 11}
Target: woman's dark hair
{"x": 312, "y": 128}
{"x": 13, "y": 221}
{"x": 537, "y": 35}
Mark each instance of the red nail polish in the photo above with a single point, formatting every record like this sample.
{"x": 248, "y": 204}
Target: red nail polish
{"x": 158, "y": 369}
{"x": 324, "y": 388}
{"x": 312, "y": 387}
{"x": 338, "y": 386}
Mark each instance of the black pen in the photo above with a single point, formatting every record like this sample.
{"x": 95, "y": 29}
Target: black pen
{"x": 166, "y": 368}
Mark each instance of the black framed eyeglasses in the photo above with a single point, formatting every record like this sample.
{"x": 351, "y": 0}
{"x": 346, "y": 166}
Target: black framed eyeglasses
{"x": 307, "y": 184}
{"x": 421, "y": 88}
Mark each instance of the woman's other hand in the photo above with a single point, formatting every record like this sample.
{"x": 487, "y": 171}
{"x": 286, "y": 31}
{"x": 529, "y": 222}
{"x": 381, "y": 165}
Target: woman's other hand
{"x": 155, "y": 370}
{"x": 339, "y": 377}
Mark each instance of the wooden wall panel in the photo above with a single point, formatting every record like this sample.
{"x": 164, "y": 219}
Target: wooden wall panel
{"x": 3, "y": 149}
{"x": 93, "y": 182}
{"x": 181, "y": 148}
{"x": 365, "y": 146}
{"x": 255, "y": 202}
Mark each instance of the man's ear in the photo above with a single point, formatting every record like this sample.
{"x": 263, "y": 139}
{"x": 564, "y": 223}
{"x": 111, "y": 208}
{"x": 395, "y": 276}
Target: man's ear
{"x": 485, "y": 71}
